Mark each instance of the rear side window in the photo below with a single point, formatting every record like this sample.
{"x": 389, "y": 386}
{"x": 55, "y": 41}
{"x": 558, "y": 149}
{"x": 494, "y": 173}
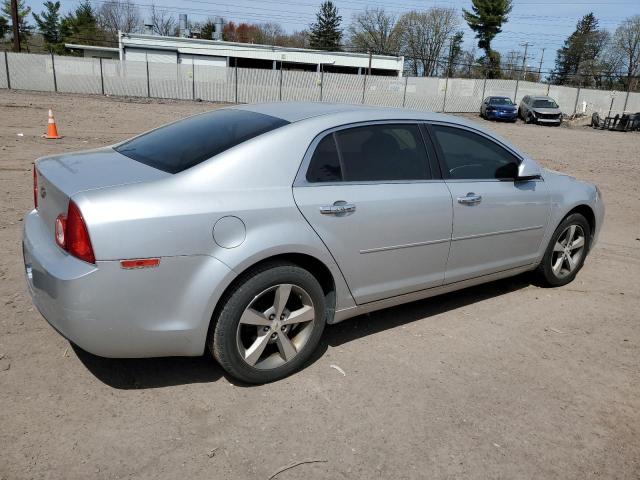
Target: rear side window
{"x": 371, "y": 153}
{"x": 325, "y": 163}
{"x": 183, "y": 144}
{"x": 469, "y": 156}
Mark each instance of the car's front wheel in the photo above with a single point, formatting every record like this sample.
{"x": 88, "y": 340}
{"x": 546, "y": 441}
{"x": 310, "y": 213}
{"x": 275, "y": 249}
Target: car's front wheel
{"x": 270, "y": 324}
{"x": 566, "y": 252}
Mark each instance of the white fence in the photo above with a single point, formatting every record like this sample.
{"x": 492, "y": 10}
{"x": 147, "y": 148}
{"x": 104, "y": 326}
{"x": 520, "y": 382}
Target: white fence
{"x": 51, "y": 73}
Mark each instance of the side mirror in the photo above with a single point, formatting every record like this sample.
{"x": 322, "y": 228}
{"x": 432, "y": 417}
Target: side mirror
{"x": 528, "y": 170}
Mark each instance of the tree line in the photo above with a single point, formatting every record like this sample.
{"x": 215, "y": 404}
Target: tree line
{"x": 431, "y": 39}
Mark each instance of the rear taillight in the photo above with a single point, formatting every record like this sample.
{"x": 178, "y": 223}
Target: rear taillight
{"x": 72, "y": 235}
{"x": 61, "y": 222}
{"x": 35, "y": 187}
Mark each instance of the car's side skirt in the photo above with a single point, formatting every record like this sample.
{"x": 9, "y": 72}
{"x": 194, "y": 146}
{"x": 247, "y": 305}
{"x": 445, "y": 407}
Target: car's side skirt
{"x": 347, "y": 313}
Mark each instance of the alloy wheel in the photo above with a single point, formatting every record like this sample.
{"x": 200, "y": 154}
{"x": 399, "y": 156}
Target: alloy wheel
{"x": 568, "y": 251}
{"x": 275, "y": 326}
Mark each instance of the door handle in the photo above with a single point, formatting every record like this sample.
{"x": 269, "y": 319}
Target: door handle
{"x": 470, "y": 199}
{"x": 337, "y": 208}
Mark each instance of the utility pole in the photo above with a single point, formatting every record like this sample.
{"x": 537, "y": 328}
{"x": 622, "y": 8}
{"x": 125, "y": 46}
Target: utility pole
{"x": 540, "y": 67}
{"x": 450, "y": 56}
{"x": 16, "y": 26}
{"x": 370, "y": 58}
{"x": 524, "y": 59}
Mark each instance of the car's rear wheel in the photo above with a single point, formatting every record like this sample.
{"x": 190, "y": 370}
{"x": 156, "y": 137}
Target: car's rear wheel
{"x": 270, "y": 324}
{"x": 566, "y": 252}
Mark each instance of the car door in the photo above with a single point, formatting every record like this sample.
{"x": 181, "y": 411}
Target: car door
{"x": 498, "y": 223}
{"x": 369, "y": 193}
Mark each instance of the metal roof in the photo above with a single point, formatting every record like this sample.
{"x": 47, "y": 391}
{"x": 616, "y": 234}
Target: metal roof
{"x": 197, "y": 46}
{"x": 76, "y": 46}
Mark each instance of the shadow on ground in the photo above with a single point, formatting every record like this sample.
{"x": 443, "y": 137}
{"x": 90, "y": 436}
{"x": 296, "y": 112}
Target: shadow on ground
{"x": 167, "y": 371}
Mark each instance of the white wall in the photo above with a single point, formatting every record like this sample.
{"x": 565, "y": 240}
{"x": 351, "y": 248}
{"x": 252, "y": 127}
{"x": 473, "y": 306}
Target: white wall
{"x": 208, "y": 60}
{"x": 153, "y": 56}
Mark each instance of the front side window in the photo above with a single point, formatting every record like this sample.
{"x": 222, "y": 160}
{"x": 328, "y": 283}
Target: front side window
{"x": 387, "y": 152}
{"x": 468, "y": 155}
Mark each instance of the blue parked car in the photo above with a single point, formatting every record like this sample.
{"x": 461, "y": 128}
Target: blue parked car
{"x": 499, "y": 108}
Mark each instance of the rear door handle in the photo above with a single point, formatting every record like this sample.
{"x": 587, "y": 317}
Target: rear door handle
{"x": 337, "y": 208}
{"x": 470, "y": 199}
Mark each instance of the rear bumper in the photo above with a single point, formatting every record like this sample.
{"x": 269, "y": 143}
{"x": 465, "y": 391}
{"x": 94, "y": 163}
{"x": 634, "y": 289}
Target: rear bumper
{"x": 111, "y": 312}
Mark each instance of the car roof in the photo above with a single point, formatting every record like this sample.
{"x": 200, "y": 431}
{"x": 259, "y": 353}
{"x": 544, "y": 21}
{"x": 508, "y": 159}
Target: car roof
{"x": 297, "y": 111}
{"x": 327, "y": 115}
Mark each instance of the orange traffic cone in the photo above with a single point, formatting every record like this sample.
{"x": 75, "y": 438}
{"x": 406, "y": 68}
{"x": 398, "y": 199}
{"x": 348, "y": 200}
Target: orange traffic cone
{"x": 52, "y": 131}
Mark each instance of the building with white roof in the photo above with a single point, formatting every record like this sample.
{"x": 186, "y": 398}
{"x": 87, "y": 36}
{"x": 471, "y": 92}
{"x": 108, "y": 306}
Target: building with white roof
{"x": 155, "y": 48}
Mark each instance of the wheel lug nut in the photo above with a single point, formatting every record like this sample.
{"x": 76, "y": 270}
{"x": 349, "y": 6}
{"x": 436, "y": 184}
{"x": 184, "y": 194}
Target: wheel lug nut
{"x": 282, "y": 317}
{"x": 265, "y": 329}
{"x": 272, "y": 316}
{"x": 283, "y": 328}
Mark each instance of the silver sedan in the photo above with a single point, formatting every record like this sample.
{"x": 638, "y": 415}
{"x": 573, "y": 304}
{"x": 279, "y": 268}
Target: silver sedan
{"x": 246, "y": 229}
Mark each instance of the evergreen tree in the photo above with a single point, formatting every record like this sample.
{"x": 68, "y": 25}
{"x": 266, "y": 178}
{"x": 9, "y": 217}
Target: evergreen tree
{"x": 4, "y": 27}
{"x": 326, "y": 34}
{"x": 455, "y": 50}
{"x": 580, "y": 51}
{"x": 49, "y": 25}
{"x": 24, "y": 29}
{"x": 81, "y": 26}
{"x": 486, "y": 19}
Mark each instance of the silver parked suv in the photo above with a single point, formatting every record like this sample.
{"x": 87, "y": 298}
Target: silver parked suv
{"x": 542, "y": 110}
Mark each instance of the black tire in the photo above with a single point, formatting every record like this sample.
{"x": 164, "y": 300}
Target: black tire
{"x": 545, "y": 271}
{"x": 222, "y": 339}
{"x": 529, "y": 120}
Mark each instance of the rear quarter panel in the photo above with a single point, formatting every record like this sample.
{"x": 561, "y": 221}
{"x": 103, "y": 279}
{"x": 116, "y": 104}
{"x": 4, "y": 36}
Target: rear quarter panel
{"x": 175, "y": 216}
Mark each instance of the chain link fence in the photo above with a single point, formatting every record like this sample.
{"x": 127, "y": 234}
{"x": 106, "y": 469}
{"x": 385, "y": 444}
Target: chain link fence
{"x": 50, "y": 73}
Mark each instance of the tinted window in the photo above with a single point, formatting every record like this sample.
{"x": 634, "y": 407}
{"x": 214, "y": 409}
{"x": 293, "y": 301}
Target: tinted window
{"x": 188, "y": 142}
{"x": 325, "y": 163}
{"x": 545, "y": 104}
{"x": 471, "y": 156}
{"x": 500, "y": 101}
{"x": 382, "y": 153}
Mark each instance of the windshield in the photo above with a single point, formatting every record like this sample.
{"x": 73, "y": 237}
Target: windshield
{"x": 183, "y": 144}
{"x": 500, "y": 101}
{"x": 545, "y": 104}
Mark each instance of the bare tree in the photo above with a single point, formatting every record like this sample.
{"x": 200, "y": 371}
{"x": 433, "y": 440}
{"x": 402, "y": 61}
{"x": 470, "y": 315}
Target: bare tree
{"x": 270, "y": 33}
{"x": 119, "y": 15}
{"x": 163, "y": 22}
{"x": 374, "y": 31}
{"x": 298, "y": 39}
{"x": 627, "y": 41}
{"x": 423, "y": 36}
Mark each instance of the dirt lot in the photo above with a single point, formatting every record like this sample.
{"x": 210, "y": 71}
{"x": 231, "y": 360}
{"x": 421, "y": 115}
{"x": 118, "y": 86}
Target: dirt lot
{"x": 505, "y": 380}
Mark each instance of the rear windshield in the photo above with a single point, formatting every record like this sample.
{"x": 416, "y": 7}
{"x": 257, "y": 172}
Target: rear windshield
{"x": 500, "y": 101}
{"x": 545, "y": 104}
{"x": 183, "y": 144}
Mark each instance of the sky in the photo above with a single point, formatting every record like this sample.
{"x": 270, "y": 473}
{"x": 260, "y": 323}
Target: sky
{"x": 544, "y": 24}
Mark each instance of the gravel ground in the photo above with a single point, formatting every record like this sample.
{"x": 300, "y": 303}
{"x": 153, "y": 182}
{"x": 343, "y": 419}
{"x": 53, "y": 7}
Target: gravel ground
{"x": 505, "y": 380}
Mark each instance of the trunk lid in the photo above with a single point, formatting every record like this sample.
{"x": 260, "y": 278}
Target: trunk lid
{"x": 62, "y": 176}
